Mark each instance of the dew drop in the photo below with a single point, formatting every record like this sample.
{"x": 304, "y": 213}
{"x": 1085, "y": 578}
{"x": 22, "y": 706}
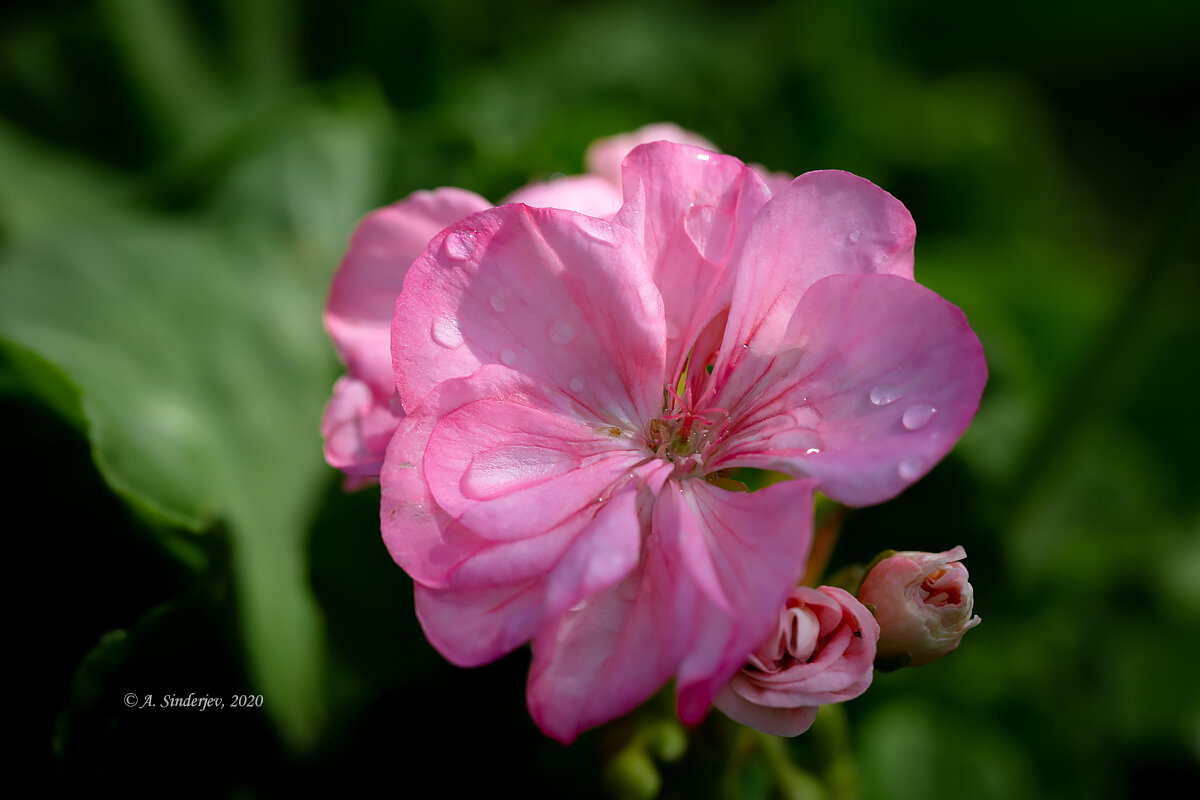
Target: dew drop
{"x": 812, "y": 451}
{"x": 806, "y": 417}
{"x": 854, "y": 236}
{"x": 445, "y": 332}
{"x": 504, "y": 469}
{"x": 507, "y": 357}
{"x": 498, "y": 302}
{"x": 561, "y": 331}
{"x": 702, "y": 156}
{"x": 460, "y": 245}
{"x": 885, "y": 393}
{"x": 598, "y": 230}
{"x": 918, "y": 416}
{"x": 910, "y": 467}
{"x": 577, "y": 384}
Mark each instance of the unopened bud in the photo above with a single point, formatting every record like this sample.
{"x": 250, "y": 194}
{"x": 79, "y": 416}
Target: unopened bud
{"x": 923, "y": 603}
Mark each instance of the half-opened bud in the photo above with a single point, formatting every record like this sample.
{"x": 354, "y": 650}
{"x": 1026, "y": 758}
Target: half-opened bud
{"x": 820, "y": 652}
{"x": 923, "y": 603}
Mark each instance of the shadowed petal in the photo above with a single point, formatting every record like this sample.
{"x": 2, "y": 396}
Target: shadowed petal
{"x": 356, "y": 428}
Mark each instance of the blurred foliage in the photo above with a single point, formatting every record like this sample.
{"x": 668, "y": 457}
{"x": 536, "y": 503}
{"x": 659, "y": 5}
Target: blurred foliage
{"x": 179, "y": 179}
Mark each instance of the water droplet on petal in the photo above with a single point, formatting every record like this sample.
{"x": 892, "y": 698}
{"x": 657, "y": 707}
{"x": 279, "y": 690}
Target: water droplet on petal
{"x": 507, "y": 357}
{"x": 459, "y": 245}
{"x": 918, "y": 416}
{"x": 812, "y": 451}
{"x": 598, "y": 230}
{"x": 806, "y": 417}
{"x": 577, "y": 384}
{"x": 504, "y": 469}
{"x": 910, "y": 467}
{"x": 445, "y": 332}
{"x": 498, "y": 302}
{"x": 561, "y": 331}
{"x": 702, "y": 156}
{"x": 854, "y": 236}
{"x": 885, "y": 393}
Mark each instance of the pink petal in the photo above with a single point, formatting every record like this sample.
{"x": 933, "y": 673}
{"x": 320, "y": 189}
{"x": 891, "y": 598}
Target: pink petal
{"x": 745, "y": 552}
{"x": 476, "y": 627}
{"x": 472, "y": 627}
{"x": 359, "y": 314}
{"x": 604, "y": 157}
{"x": 484, "y": 594}
{"x": 823, "y": 223}
{"x": 881, "y": 379}
{"x": 716, "y": 569}
{"x": 560, "y": 298}
{"x": 692, "y": 210}
{"x": 431, "y": 544}
{"x": 774, "y": 721}
{"x": 356, "y": 428}
{"x": 587, "y": 194}
{"x": 508, "y": 469}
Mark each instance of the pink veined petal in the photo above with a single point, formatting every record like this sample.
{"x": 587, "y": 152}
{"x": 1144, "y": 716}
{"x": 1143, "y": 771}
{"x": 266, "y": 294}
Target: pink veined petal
{"x": 432, "y": 546}
{"x": 358, "y": 316}
{"x": 479, "y": 625}
{"x": 823, "y": 223}
{"x": 479, "y": 597}
{"x": 475, "y": 626}
{"x": 604, "y": 157}
{"x": 744, "y": 552}
{"x": 560, "y": 298}
{"x": 883, "y": 378}
{"x": 692, "y": 209}
{"x": 774, "y": 721}
{"x": 356, "y": 428}
{"x": 587, "y": 194}
{"x": 508, "y": 469}
{"x": 717, "y": 565}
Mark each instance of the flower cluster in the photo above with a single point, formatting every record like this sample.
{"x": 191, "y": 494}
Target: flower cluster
{"x": 555, "y": 417}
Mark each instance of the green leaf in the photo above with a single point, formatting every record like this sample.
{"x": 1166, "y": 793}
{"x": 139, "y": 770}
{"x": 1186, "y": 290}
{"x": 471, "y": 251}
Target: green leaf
{"x": 202, "y": 368}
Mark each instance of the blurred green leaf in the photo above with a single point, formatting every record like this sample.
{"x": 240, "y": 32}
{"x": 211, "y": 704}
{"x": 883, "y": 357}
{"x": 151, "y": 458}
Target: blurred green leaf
{"x": 203, "y": 369}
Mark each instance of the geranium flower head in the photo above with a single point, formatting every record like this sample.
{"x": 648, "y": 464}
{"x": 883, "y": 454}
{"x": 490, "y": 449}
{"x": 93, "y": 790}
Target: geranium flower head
{"x": 575, "y": 390}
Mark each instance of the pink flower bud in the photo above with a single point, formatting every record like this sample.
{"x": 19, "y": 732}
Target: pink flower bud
{"x": 923, "y": 603}
{"x": 821, "y": 652}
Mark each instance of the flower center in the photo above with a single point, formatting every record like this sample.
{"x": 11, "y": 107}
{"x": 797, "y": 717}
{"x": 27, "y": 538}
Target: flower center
{"x": 684, "y": 435}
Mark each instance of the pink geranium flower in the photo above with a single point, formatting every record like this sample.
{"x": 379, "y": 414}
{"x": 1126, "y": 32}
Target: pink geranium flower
{"x": 364, "y": 410}
{"x": 821, "y": 651}
{"x": 576, "y": 388}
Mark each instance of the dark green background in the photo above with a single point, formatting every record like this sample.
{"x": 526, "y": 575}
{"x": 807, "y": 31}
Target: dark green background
{"x": 177, "y": 183}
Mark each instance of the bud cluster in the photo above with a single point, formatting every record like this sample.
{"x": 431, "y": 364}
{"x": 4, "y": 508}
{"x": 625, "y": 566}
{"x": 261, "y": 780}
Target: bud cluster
{"x": 912, "y": 608}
